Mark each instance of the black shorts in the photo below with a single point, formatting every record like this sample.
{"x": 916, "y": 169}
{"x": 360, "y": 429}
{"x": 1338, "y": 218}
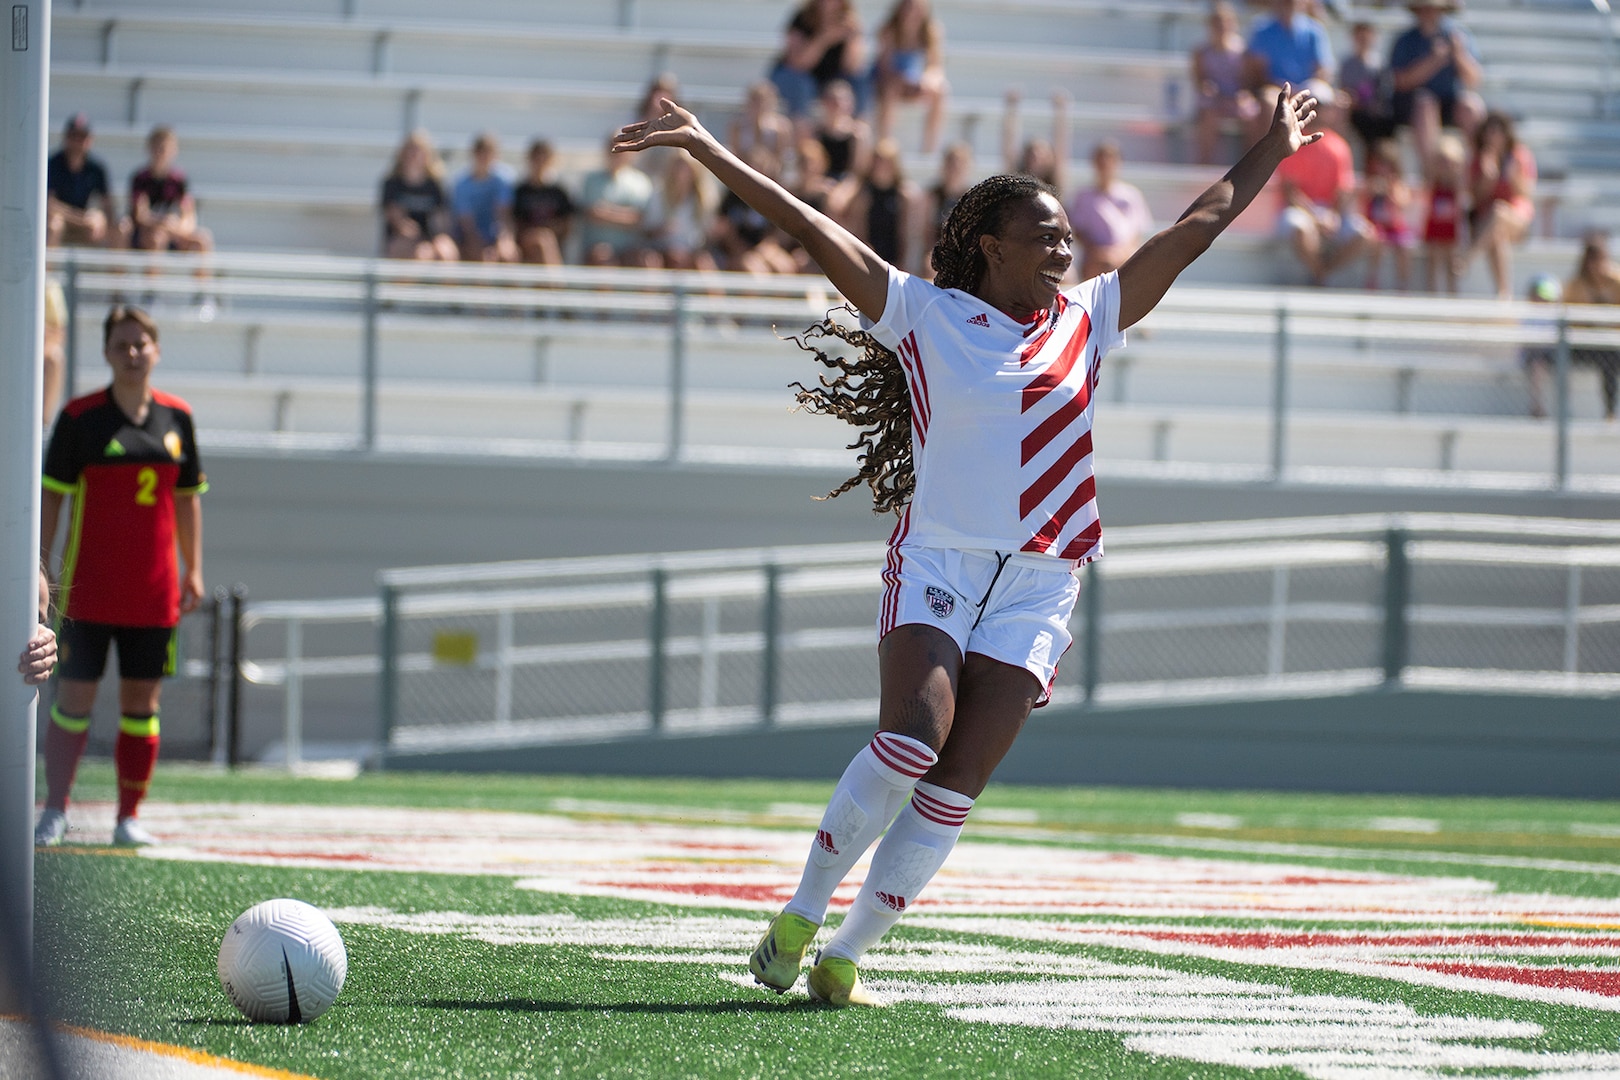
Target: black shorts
{"x": 144, "y": 652}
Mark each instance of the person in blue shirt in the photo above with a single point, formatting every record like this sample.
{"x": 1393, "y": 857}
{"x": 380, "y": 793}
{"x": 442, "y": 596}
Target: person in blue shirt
{"x": 481, "y": 205}
{"x": 1287, "y": 46}
{"x": 1434, "y": 70}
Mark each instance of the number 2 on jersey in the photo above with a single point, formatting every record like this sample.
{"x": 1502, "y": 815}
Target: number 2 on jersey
{"x": 146, "y": 487}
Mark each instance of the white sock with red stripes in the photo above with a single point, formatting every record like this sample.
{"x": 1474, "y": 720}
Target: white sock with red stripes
{"x": 867, "y": 797}
{"x": 910, "y": 855}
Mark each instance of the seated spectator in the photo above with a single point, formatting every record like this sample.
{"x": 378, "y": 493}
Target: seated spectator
{"x": 613, "y": 202}
{"x": 955, "y": 177}
{"x": 542, "y": 210}
{"x": 161, "y": 209}
{"x": 881, "y": 207}
{"x": 1501, "y": 189}
{"x": 1434, "y": 71}
{"x": 823, "y": 43}
{"x": 663, "y": 85}
{"x": 1539, "y": 360}
{"x": 1110, "y": 219}
{"x": 846, "y": 137}
{"x": 481, "y": 205}
{"x": 1366, "y": 85}
{"x": 811, "y": 182}
{"x": 414, "y": 208}
{"x": 1318, "y": 216}
{"x": 744, "y": 239}
{"x": 1044, "y": 160}
{"x": 1387, "y": 207}
{"x": 1443, "y": 225}
{"x": 1596, "y": 281}
{"x": 1288, "y": 46}
{"x": 911, "y": 67}
{"x": 761, "y": 123}
{"x": 1217, "y": 79}
{"x": 678, "y": 216}
{"x": 78, "y": 202}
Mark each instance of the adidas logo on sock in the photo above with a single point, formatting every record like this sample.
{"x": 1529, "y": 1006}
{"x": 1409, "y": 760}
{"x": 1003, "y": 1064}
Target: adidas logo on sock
{"x": 891, "y": 901}
{"x": 981, "y": 319}
{"x": 824, "y": 841}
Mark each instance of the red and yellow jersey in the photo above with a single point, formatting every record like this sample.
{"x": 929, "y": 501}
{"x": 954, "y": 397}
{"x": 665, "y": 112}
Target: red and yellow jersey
{"x": 120, "y": 566}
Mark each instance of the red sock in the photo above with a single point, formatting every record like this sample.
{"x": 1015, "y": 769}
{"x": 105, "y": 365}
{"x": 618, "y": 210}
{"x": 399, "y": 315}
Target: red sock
{"x": 65, "y": 737}
{"x": 134, "y": 755}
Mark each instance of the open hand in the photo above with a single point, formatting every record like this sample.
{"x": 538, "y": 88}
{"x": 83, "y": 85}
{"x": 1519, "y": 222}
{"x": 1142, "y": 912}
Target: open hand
{"x": 673, "y": 126}
{"x": 1293, "y": 114}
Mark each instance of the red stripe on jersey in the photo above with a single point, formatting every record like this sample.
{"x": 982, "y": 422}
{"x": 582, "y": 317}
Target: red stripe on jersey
{"x": 1037, "y": 492}
{"x": 81, "y": 405}
{"x": 1043, "y": 540}
{"x": 1053, "y": 425}
{"x": 939, "y": 811}
{"x": 1046, "y": 329}
{"x": 1053, "y": 376}
{"x": 1082, "y": 544}
{"x": 916, "y": 759}
{"x": 173, "y": 401}
{"x": 921, "y": 409}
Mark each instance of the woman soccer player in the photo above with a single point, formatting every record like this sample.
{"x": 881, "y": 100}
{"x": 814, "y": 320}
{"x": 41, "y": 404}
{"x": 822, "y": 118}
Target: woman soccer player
{"x": 127, "y": 456}
{"x": 974, "y": 397}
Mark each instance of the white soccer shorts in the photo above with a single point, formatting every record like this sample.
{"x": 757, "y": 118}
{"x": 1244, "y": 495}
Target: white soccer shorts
{"x": 1010, "y": 606}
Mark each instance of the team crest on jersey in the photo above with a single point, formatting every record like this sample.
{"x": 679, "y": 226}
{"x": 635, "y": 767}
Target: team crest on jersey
{"x": 171, "y": 443}
{"x": 940, "y": 602}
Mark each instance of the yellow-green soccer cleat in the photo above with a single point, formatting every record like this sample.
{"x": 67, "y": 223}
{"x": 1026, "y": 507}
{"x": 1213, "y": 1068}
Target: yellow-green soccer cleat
{"x": 835, "y": 981}
{"x": 780, "y": 954}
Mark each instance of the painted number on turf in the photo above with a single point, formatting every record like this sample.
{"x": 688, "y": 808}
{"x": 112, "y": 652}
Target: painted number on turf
{"x": 146, "y": 487}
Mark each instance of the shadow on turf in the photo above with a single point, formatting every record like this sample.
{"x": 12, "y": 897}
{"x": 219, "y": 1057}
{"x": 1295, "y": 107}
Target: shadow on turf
{"x": 530, "y": 1005}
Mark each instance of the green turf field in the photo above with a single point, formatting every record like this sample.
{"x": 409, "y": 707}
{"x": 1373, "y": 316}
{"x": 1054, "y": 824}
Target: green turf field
{"x": 526, "y": 927}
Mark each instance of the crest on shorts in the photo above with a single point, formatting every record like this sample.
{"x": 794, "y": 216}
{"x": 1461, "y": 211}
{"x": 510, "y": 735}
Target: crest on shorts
{"x": 940, "y": 602}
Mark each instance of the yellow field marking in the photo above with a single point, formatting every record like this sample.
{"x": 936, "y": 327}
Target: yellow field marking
{"x": 184, "y": 1053}
{"x": 1573, "y": 924}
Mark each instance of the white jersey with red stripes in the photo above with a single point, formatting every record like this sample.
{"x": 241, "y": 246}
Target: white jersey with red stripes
{"x": 1001, "y": 416}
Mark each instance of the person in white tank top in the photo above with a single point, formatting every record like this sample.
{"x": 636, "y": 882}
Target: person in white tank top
{"x": 974, "y": 398}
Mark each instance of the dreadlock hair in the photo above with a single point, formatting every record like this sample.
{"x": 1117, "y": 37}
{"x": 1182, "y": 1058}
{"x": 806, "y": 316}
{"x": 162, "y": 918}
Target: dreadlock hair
{"x": 869, "y": 392}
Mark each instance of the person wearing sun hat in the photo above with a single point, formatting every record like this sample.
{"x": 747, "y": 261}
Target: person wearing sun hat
{"x": 1435, "y": 70}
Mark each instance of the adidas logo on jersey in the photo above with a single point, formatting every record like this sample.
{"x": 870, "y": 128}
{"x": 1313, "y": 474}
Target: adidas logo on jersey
{"x": 115, "y": 449}
{"x": 981, "y": 319}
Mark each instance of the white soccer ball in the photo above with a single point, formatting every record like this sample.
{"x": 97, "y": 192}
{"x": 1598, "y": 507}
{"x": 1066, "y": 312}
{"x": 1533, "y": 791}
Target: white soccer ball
{"x": 282, "y": 962}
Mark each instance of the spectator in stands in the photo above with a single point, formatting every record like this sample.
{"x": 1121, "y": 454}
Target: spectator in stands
{"x": 1288, "y": 46}
{"x": 663, "y": 85}
{"x": 955, "y": 177}
{"x": 1045, "y": 160}
{"x": 810, "y": 182}
{"x": 79, "y": 205}
{"x": 1597, "y": 281}
{"x": 414, "y": 208}
{"x": 1366, "y": 85}
{"x": 1387, "y": 206}
{"x": 1501, "y": 189}
{"x": 1540, "y": 359}
{"x": 542, "y": 210}
{"x": 761, "y": 123}
{"x": 1443, "y": 224}
{"x": 882, "y": 207}
{"x": 679, "y": 214}
{"x": 823, "y": 42}
{"x": 744, "y": 239}
{"x": 1434, "y": 71}
{"x": 1217, "y": 79}
{"x": 1319, "y": 218}
{"x": 911, "y": 67}
{"x": 845, "y": 136}
{"x": 1111, "y": 218}
{"x": 481, "y": 205}
{"x": 613, "y": 202}
{"x": 161, "y": 209}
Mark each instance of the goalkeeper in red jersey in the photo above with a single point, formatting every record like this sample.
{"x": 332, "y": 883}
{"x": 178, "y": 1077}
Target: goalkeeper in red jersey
{"x": 126, "y": 456}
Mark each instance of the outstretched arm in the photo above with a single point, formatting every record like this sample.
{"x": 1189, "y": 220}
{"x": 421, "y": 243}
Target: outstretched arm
{"x": 1148, "y": 274}
{"x": 853, "y": 268}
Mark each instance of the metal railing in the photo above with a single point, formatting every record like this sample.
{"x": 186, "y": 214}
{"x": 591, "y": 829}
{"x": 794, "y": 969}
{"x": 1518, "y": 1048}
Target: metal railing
{"x": 514, "y": 654}
{"x": 1310, "y": 373}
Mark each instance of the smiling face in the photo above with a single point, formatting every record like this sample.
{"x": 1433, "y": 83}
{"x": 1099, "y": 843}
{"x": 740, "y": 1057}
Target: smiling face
{"x": 132, "y": 353}
{"x": 1026, "y": 259}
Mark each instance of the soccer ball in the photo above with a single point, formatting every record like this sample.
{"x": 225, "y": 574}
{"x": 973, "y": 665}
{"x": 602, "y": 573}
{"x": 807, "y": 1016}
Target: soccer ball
{"x": 282, "y": 962}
